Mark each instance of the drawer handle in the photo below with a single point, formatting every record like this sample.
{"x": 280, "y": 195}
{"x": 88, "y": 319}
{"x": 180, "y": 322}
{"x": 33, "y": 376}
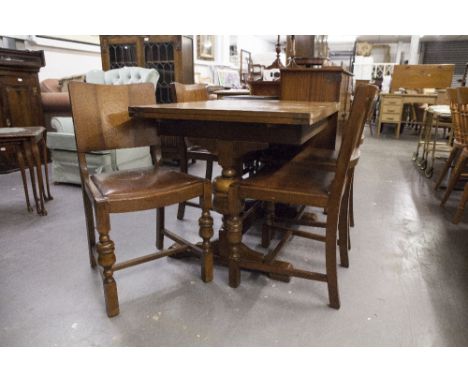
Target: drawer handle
{"x": 20, "y": 79}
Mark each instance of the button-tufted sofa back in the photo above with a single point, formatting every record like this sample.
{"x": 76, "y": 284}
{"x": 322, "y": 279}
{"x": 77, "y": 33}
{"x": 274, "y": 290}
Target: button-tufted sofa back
{"x": 123, "y": 76}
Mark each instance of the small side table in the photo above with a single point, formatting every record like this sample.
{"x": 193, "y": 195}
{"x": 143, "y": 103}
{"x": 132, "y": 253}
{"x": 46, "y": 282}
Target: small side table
{"x": 26, "y": 142}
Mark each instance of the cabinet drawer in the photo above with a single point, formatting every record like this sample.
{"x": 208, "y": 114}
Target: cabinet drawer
{"x": 391, "y": 109}
{"x": 391, "y": 101}
{"x": 390, "y": 118}
{"x": 18, "y": 80}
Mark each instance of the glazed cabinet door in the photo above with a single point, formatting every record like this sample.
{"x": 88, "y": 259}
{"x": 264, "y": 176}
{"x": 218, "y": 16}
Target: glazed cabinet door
{"x": 120, "y": 51}
{"x": 162, "y": 53}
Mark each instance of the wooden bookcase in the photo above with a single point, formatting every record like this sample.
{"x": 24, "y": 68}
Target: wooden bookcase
{"x": 171, "y": 56}
{"x": 20, "y": 95}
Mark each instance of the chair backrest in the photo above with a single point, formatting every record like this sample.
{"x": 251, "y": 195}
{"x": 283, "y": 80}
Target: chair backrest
{"x": 352, "y": 132}
{"x": 101, "y": 119}
{"x": 189, "y": 93}
{"x": 452, "y": 94}
{"x": 463, "y": 114}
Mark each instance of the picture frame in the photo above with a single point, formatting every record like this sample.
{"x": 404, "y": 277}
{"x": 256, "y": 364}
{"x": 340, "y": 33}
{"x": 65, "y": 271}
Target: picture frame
{"x": 206, "y": 45}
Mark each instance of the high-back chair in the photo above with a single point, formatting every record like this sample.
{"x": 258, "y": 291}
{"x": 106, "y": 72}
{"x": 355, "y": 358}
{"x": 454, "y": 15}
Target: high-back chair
{"x": 102, "y": 122}
{"x": 195, "y": 148}
{"x": 300, "y": 183}
{"x": 452, "y": 95}
{"x": 325, "y": 159}
{"x": 459, "y": 107}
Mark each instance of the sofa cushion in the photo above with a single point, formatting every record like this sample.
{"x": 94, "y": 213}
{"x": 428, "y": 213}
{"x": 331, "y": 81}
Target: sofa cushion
{"x": 123, "y": 76}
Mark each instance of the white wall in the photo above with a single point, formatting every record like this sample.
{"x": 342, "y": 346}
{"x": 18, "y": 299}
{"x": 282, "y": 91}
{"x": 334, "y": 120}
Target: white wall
{"x": 65, "y": 58}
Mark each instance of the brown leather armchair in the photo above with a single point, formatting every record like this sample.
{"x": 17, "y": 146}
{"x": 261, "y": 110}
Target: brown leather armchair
{"x": 55, "y": 103}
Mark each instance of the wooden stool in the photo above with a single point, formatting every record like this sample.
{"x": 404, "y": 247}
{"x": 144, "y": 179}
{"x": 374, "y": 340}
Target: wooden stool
{"x": 26, "y": 142}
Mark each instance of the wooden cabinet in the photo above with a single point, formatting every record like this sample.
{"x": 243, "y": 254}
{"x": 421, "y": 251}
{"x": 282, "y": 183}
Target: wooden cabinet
{"x": 326, "y": 84}
{"x": 171, "y": 56}
{"x": 20, "y": 96}
{"x": 391, "y": 108}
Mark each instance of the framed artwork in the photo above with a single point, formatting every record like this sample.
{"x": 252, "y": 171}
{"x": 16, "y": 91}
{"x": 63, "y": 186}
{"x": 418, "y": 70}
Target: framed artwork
{"x": 206, "y": 47}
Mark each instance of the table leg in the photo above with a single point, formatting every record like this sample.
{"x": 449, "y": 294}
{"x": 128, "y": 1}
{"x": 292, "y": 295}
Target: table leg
{"x": 37, "y": 159}
{"x": 230, "y": 249}
{"x": 46, "y": 170}
{"x": 27, "y": 152}
{"x": 20, "y": 158}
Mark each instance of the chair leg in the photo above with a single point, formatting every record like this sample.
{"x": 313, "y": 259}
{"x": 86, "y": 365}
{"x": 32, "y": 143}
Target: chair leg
{"x": 457, "y": 171}
{"x": 206, "y": 233}
{"x": 267, "y": 230}
{"x": 182, "y": 148}
{"x": 160, "y": 228}
{"x": 351, "y": 200}
{"x": 461, "y": 207}
{"x": 209, "y": 169}
{"x": 343, "y": 227}
{"x": 90, "y": 230}
{"x": 106, "y": 259}
{"x": 330, "y": 258}
{"x": 181, "y": 211}
{"x": 233, "y": 227}
{"x": 447, "y": 165}
{"x": 20, "y": 158}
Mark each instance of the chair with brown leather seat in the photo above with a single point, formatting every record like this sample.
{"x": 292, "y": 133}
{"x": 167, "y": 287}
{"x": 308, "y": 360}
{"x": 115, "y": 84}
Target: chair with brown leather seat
{"x": 195, "y": 148}
{"x": 102, "y": 122}
{"x": 300, "y": 183}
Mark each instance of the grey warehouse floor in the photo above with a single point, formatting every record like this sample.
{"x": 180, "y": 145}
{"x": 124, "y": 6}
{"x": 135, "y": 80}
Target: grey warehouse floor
{"x": 407, "y": 284}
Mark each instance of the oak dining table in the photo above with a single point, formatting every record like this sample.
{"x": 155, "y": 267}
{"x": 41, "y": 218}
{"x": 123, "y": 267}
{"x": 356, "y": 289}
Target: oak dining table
{"x": 235, "y": 128}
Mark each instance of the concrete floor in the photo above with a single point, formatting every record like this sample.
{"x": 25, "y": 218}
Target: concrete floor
{"x": 406, "y": 285}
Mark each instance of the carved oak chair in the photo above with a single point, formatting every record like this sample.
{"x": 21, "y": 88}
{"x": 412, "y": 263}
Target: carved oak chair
{"x": 302, "y": 183}
{"x": 193, "y": 149}
{"x": 102, "y": 122}
{"x": 325, "y": 159}
{"x": 460, "y": 170}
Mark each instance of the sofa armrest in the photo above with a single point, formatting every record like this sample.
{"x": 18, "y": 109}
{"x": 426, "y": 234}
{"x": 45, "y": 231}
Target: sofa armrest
{"x": 61, "y": 141}
{"x": 63, "y": 124}
{"x": 55, "y": 102}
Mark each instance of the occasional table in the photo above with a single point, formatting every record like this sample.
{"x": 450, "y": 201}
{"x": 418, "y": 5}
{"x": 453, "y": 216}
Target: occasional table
{"x": 25, "y": 141}
{"x": 234, "y": 125}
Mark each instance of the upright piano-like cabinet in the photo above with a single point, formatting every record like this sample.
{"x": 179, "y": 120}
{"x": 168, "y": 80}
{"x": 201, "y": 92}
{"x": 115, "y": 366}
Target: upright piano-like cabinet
{"x": 20, "y": 95}
{"x": 325, "y": 84}
{"x": 171, "y": 56}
